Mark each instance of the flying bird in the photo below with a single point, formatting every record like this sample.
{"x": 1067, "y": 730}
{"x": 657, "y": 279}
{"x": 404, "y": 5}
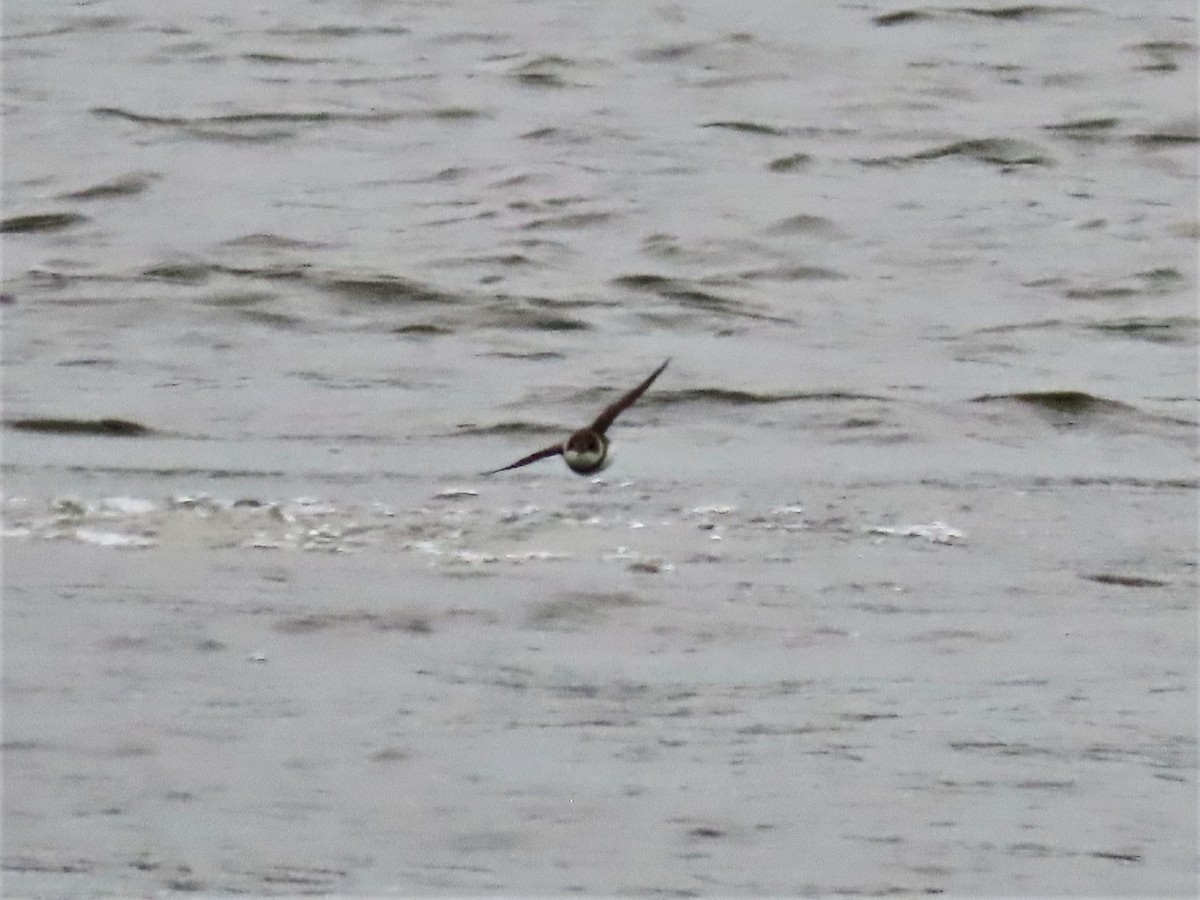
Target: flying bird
{"x": 586, "y": 451}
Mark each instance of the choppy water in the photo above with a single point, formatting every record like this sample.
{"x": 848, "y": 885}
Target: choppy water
{"x": 897, "y": 560}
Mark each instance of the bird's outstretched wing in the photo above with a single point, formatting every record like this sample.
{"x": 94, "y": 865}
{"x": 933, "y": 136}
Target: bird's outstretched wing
{"x": 611, "y": 412}
{"x": 556, "y": 450}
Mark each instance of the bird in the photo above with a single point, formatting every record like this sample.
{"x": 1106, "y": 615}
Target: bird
{"x": 586, "y": 451}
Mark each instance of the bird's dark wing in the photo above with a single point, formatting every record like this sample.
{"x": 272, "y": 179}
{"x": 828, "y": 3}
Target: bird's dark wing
{"x": 531, "y": 458}
{"x": 611, "y": 412}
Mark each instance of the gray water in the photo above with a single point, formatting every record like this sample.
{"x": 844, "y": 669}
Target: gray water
{"x": 890, "y": 589}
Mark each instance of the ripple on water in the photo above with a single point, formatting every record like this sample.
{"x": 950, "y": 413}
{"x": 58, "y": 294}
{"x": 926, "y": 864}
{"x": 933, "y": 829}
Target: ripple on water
{"x": 129, "y": 185}
{"x": 40, "y": 222}
{"x": 1079, "y": 409}
{"x": 998, "y": 151}
{"x": 106, "y": 427}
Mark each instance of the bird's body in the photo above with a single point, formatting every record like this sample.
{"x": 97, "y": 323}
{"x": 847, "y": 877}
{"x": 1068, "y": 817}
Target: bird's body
{"x": 586, "y": 451}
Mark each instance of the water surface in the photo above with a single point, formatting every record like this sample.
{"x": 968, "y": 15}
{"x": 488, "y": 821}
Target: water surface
{"x": 891, "y": 588}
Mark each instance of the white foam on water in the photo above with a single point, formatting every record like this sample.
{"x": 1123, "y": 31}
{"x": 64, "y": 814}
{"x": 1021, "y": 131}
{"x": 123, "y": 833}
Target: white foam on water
{"x": 113, "y": 539}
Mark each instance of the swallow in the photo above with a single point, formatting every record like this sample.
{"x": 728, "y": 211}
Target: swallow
{"x": 586, "y": 451}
